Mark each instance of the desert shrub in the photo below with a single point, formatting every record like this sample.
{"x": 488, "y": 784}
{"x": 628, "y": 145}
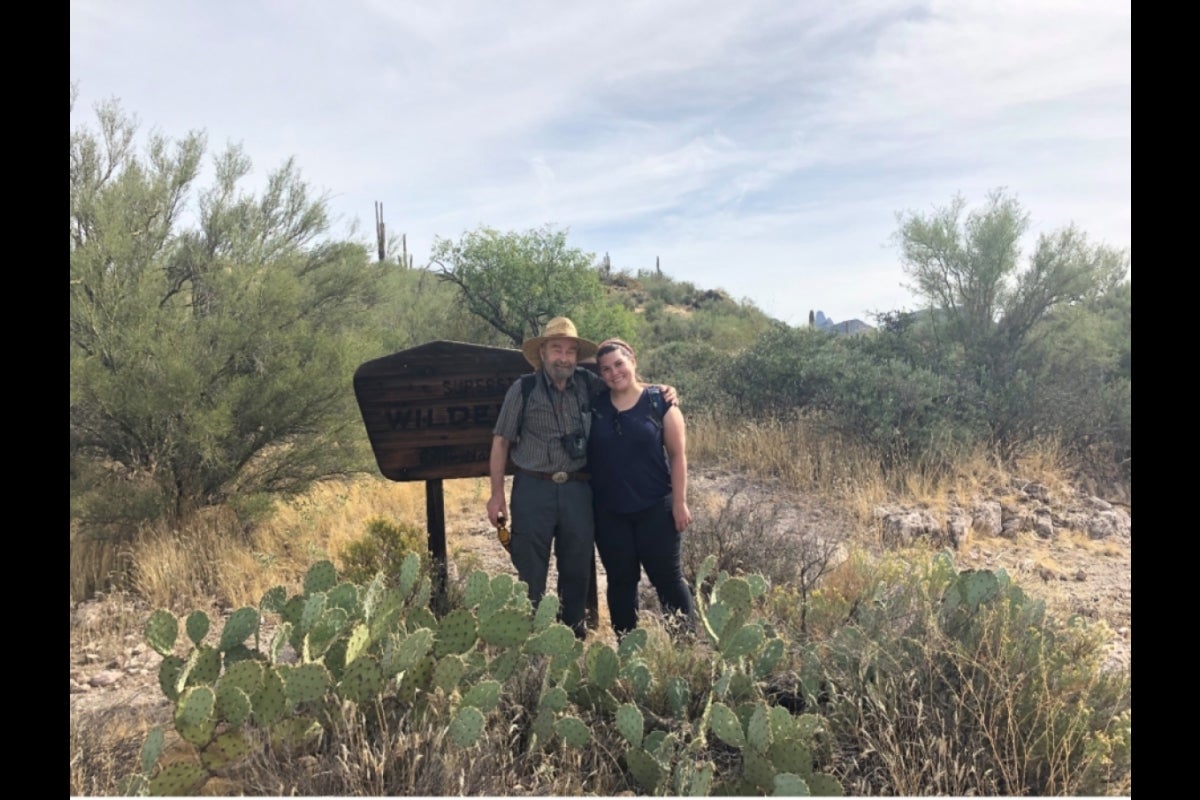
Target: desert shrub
{"x": 747, "y": 537}
{"x": 383, "y": 549}
{"x": 957, "y": 683}
{"x": 690, "y": 367}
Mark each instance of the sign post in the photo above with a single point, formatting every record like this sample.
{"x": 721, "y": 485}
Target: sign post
{"x": 429, "y": 413}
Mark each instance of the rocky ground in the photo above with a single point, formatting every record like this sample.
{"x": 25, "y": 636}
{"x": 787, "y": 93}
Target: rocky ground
{"x": 112, "y": 668}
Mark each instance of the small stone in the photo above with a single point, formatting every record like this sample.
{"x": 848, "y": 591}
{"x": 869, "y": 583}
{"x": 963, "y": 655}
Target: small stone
{"x": 106, "y": 678}
{"x": 1081, "y": 575}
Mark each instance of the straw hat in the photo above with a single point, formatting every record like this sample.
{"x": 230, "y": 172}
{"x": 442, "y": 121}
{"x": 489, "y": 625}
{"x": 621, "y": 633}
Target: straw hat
{"x": 557, "y": 328}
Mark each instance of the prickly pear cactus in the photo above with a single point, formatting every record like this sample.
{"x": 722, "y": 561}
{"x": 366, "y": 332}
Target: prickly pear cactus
{"x": 466, "y": 726}
{"x": 197, "y": 626}
{"x": 162, "y": 629}
{"x": 321, "y": 577}
{"x": 238, "y": 628}
{"x": 572, "y": 730}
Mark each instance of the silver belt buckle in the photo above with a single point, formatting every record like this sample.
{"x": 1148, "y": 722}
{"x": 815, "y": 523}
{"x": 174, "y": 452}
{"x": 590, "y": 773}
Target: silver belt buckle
{"x": 559, "y": 477}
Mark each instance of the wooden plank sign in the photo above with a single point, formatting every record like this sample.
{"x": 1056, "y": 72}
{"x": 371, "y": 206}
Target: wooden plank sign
{"x": 429, "y": 411}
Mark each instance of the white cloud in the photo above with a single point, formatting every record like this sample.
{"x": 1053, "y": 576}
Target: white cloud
{"x": 763, "y": 147}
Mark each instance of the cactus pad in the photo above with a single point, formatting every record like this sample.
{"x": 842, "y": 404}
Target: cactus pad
{"x": 194, "y": 710}
{"x": 726, "y": 726}
{"x": 233, "y": 704}
{"x": 306, "y": 683}
{"x": 781, "y": 723}
{"x": 706, "y": 570}
{"x": 978, "y": 587}
{"x": 504, "y": 665}
{"x": 421, "y": 617}
{"x": 477, "y": 589}
{"x": 415, "y": 678}
{"x": 161, "y": 631}
{"x": 502, "y": 586}
{"x": 546, "y": 614}
{"x": 787, "y": 784}
{"x": 822, "y": 785}
{"x": 456, "y": 633}
{"x": 558, "y": 638}
{"x": 281, "y": 637}
{"x": 293, "y": 609}
{"x": 269, "y": 701}
{"x": 409, "y": 571}
{"x": 180, "y": 779}
{"x": 448, "y": 672}
{"x": 321, "y": 577}
{"x": 358, "y": 642}
{"x": 227, "y": 748}
{"x": 679, "y": 694}
{"x": 631, "y": 724}
{"x": 738, "y": 642}
{"x": 758, "y": 729}
{"x": 295, "y": 732}
{"x": 573, "y": 731}
{"x": 169, "y": 672}
{"x": 543, "y": 727}
{"x": 238, "y": 628}
{"x": 345, "y": 597}
{"x": 196, "y": 625}
{"x": 203, "y": 667}
{"x": 423, "y": 593}
{"x": 645, "y": 770}
{"x": 698, "y": 779}
{"x": 466, "y": 726}
{"x": 770, "y": 657}
{"x": 273, "y": 600}
{"x": 790, "y": 755}
{"x": 484, "y": 695}
{"x": 758, "y": 770}
{"x": 631, "y": 643}
{"x": 505, "y": 628}
{"x": 362, "y": 680}
{"x": 372, "y": 595}
{"x": 602, "y": 664}
{"x": 639, "y": 678}
{"x": 151, "y": 749}
{"x": 554, "y": 699}
{"x": 414, "y": 647}
{"x": 314, "y": 607}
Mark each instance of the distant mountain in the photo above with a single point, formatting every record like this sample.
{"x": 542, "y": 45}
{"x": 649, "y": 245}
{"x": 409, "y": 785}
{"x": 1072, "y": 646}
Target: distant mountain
{"x": 824, "y": 323}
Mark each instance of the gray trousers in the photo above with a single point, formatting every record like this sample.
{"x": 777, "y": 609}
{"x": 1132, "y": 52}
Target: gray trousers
{"x": 544, "y": 512}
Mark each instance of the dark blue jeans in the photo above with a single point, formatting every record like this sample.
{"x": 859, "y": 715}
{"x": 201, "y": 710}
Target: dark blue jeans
{"x": 646, "y": 540}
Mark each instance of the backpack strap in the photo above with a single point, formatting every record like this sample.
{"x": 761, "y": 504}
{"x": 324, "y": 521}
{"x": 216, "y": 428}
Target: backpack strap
{"x": 528, "y": 381}
{"x": 657, "y": 403}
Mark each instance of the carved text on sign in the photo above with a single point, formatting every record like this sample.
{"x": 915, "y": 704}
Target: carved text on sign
{"x": 429, "y": 411}
{"x": 449, "y": 416}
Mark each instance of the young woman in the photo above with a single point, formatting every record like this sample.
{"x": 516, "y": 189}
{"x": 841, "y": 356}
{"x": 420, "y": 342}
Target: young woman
{"x": 638, "y": 464}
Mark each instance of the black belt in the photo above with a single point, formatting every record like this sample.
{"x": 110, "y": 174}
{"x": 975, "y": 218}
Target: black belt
{"x": 557, "y": 477}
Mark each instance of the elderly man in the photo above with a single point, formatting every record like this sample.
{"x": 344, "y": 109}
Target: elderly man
{"x": 546, "y": 427}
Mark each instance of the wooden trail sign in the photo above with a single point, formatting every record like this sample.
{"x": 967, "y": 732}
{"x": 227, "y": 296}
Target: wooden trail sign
{"x": 429, "y": 413}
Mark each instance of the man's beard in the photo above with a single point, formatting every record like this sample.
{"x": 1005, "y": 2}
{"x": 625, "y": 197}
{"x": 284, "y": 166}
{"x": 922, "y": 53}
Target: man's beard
{"x": 558, "y": 372}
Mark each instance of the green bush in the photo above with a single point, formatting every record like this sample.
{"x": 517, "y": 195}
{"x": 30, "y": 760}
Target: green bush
{"x": 383, "y": 549}
{"x": 941, "y": 682}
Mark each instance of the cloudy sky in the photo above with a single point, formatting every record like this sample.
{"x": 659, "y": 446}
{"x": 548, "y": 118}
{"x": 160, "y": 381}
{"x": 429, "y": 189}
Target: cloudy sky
{"x": 760, "y": 146}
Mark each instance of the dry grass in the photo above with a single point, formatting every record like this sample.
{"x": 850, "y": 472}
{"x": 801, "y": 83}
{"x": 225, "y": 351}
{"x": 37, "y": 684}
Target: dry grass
{"x": 104, "y": 748}
{"x": 211, "y": 558}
